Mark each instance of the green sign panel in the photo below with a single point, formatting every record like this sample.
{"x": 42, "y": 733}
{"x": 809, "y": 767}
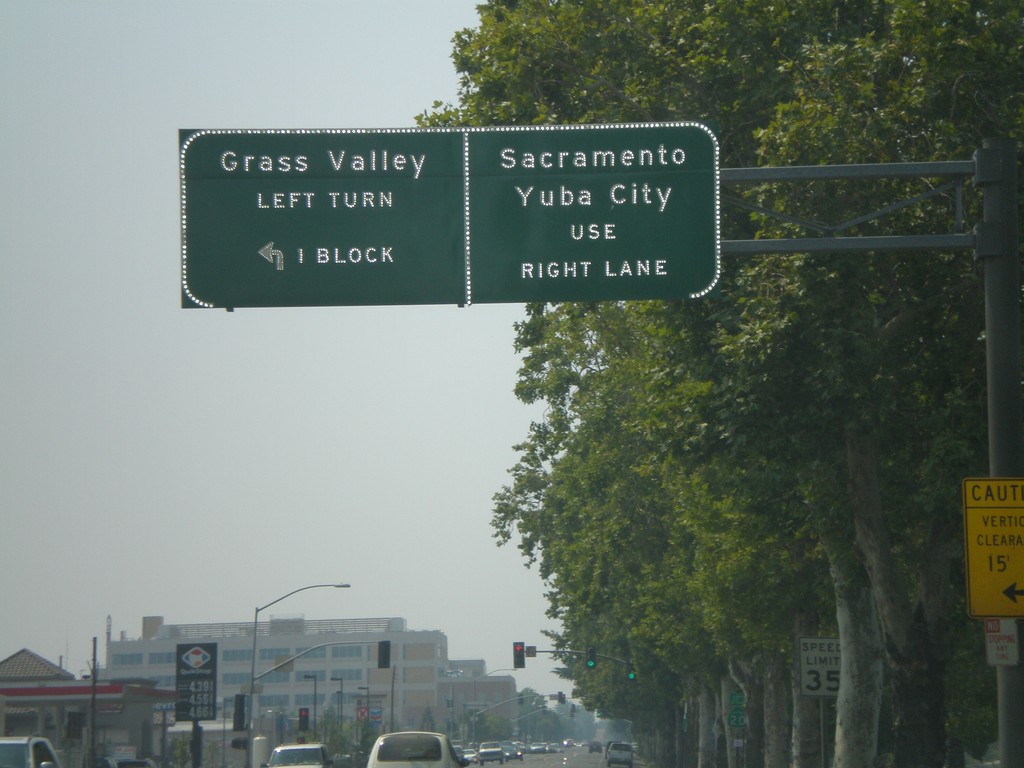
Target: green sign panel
{"x": 448, "y": 216}
{"x": 587, "y": 213}
{"x": 300, "y": 218}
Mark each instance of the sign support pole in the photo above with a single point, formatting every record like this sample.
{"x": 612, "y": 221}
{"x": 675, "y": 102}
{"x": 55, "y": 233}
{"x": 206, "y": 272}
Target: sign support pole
{"x": 997, "y": 246}
{"x": 821, "y": 730}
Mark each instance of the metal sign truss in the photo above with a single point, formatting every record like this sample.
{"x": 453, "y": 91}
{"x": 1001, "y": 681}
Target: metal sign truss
{"x": 832, "y": 241}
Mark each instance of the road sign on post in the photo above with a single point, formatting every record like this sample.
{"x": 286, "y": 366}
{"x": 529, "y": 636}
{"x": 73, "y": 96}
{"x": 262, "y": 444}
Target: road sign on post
{"x": 993, "y": 546}
{"x": 448, "y": 216}
{"x": 1002, "y": 642}
{"x": 736, "y": 717}
{"x": 820, "y": 663}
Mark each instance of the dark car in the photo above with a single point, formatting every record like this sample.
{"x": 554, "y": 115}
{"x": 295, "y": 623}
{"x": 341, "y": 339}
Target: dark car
{"x": 512, "y": 752}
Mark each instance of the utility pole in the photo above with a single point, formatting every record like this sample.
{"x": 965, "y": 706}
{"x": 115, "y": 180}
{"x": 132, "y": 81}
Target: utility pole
{"x": 997, "y": 248}
{"x": 92, "y": 711}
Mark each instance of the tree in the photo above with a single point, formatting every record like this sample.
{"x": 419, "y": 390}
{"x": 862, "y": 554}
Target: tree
{"x": 844, "y": 389}
{"x": 938, "y": 80}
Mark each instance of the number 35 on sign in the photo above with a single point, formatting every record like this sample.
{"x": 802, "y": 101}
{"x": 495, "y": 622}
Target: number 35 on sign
{"x": 820, "y": 659}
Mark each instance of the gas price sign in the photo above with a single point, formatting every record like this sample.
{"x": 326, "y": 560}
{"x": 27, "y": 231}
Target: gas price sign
{"x": 196, "y": 681}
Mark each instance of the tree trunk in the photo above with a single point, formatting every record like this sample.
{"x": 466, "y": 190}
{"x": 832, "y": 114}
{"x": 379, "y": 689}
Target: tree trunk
{"x": 915, "y": 632}
{"x": 706, "y": 723}
{"x": 776, "y": 727}
{"x": 860, "y": 676}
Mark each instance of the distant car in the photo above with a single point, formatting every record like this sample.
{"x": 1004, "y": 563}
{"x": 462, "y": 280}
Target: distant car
{"x": 512, "y": 752}
{"x": 490, "y": 752}
{"x": 619, "y": 753}
{"x": 135, "y": 762}
{"x": 414, "y": 749}
{"x": 469, "y": 754}
{"x": 300, "y": 754}
{"x": 595, "y": 746}
{"x": 28, "y": 752}
{"x": 537, "y": 748}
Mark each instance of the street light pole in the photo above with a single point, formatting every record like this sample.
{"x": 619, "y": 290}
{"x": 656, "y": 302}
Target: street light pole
{"x": 252, "y": 671}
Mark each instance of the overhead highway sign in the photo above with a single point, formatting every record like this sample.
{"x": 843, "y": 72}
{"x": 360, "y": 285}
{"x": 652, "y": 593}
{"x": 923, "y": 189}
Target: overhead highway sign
{"x": 448, "y": 216}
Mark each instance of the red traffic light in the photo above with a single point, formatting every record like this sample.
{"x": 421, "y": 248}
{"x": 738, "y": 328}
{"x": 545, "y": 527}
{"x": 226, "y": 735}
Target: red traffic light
{"x": 519, "y": 655}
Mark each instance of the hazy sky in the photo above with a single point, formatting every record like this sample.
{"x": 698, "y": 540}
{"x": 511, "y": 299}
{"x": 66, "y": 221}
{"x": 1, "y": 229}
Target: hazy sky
{"x": 194, "y": 464}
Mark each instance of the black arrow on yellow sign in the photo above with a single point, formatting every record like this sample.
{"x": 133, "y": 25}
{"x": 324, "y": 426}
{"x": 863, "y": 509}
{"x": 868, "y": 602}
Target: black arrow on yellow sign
{"x": 1012, "y": 591}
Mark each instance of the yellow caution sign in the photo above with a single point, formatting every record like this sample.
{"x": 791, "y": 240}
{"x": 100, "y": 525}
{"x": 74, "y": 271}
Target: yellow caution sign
{"x": 994, "y": 546}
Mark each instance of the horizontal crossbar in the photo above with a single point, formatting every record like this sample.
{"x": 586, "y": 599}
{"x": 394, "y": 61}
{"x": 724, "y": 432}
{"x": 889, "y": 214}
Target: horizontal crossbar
{"x": 835, "y": 244}
{"x": 857, "y": 171}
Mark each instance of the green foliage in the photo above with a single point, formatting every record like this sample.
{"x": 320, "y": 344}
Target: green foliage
{"x": 693, "y": 459}
{"x": 181, "y": 751}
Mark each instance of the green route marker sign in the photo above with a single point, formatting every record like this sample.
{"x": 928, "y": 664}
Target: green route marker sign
{"x": 448, "y": 216}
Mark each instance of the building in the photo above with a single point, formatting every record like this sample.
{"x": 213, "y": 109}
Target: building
{"x": 38, "y": 697}
{"x": 329, "y": 667}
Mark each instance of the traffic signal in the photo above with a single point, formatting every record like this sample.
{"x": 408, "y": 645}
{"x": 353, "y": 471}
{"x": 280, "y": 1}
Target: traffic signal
{"x": 303, "y": 718}
{"x": 561, "y": 698}
{"x": 384, "y": 654}
{"x": 591, "y": 657}
{"x": 519, "y": 655}
{"x": 630, "y": 672}
{"x": 238, "y": 721}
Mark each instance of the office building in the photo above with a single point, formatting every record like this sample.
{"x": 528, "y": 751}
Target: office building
{"x": 329, "y": 667}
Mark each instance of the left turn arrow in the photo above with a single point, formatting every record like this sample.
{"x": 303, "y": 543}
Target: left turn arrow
{"x": 274, "y": 256}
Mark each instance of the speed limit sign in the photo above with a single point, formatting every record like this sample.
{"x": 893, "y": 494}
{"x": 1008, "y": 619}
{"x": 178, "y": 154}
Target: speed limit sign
{"x": 820, "y": 659}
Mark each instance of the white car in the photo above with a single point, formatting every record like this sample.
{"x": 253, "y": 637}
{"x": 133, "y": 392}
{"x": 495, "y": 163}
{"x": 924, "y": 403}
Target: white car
{"x": 312, "y": 755}
{"x": 28, "y": 752}
{"x": 490, "y": 752}
{"x": 414, "y": 749}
